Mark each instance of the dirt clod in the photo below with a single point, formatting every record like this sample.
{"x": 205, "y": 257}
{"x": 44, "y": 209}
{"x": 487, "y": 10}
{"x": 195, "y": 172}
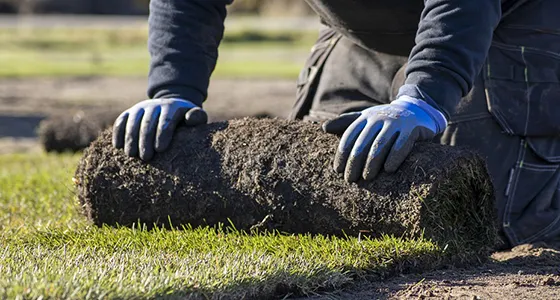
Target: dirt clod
{"x": 272, "y": 174}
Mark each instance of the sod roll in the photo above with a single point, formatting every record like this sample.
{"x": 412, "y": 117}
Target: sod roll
{"x": 272, "y": 174}
{"x": 74, "y": 132}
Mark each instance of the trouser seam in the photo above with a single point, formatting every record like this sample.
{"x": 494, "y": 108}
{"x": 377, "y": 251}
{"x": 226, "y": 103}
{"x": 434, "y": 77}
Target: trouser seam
{"x": 509, "y": 204}
{"x": 498, "y": 115}
{"x": 528, "y": 115}
{"x": 540, "y": 168}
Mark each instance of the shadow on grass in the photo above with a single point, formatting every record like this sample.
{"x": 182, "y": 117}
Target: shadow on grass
{"x": 279, "y": 276}
{"x": 543, "y": 262}
{"x": 363, "y": 285}
{"x": 285, "y": 285}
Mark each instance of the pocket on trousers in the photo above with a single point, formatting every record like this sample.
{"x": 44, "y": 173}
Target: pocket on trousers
{"x": 534, "y": 202}
{"x": 307, "y": 79}
{"x": 311, "y": 66}
{"x": 523, "y": 89}
{"x": 546, "y": 148}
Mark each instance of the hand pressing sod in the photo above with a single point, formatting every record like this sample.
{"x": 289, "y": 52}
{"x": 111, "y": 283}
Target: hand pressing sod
{"x": 148, "y": 126}
{"x": 382, "y": 136}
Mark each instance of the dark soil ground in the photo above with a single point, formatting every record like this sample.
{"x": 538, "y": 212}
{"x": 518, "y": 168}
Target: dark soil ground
{"x": 527, "y": 272}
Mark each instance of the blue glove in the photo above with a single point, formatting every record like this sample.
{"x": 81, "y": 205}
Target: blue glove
{"x": 382, "y": 136}
{"x": 149, "y": 126}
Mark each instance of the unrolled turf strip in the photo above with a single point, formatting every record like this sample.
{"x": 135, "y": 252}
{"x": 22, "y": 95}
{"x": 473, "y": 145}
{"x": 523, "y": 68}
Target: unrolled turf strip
{"x": 74, "y": 132}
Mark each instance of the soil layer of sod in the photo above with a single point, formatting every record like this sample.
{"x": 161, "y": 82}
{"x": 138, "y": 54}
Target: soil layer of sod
{"x": 74, "y": 132}
{"x": 273, "y": 174}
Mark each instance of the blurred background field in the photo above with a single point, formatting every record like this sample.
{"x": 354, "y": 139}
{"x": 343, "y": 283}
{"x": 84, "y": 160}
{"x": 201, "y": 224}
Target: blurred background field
{"x": 262, "y": 39}
{"x": 29, "y": 51}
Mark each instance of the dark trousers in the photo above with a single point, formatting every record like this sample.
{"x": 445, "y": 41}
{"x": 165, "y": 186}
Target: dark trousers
{"x": 511, "y": 116}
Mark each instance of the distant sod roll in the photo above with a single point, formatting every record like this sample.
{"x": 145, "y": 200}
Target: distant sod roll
{"x": 74, "y": 132}
{"x": 272, "y": 174}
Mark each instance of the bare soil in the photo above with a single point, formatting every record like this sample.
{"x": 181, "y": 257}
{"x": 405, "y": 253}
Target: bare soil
{"x": 529, "y": 271}
{"x": 24, "y": 103}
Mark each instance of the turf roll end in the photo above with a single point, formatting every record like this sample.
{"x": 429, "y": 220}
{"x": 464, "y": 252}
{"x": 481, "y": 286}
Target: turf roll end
{"x": 276, "y": 175}
{"x": 74, "y": 132}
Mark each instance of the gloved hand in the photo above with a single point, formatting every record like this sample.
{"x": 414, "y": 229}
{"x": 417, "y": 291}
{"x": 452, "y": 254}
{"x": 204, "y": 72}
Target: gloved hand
{"x": 382, "y": 136}
{"x": 149, "y": 125}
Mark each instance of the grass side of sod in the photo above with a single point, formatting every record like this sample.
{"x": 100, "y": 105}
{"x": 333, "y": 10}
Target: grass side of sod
{"x": 48, "y": 250}
{"x": 28, "y": 52}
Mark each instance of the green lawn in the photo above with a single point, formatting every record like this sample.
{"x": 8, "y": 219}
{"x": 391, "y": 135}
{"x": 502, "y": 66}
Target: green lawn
{"x": 123, "y": 52}
{"x": 47, "y": 250}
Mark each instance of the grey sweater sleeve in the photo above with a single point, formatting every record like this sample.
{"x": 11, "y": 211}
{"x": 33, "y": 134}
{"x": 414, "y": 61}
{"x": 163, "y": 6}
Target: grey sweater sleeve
{"x": 184, "y": 36}
{"x": 452, "y": 42}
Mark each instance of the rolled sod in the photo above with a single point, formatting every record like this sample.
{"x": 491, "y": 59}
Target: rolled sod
{"x": 276, "y": 175}
{"x": 74, "y": 132}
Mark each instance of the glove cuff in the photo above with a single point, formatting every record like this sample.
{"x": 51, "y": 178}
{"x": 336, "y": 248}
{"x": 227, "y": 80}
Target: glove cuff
{"x": 437, "y": 116}
{"x": 181, "y": 93}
